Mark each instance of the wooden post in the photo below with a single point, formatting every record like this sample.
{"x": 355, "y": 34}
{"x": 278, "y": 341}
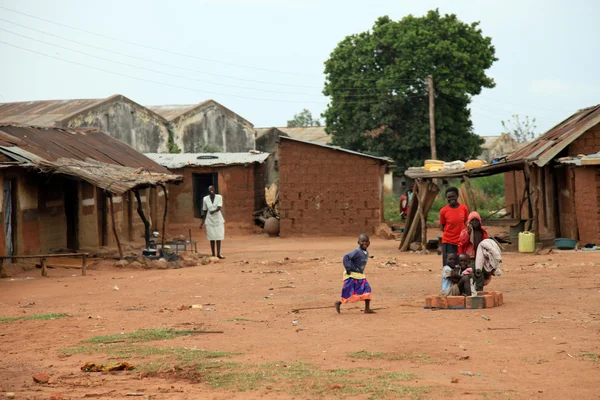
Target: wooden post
{"x": 44, "y": 266}
{"x": 422, "y": 195}
{"x": 164, "y": 188}
{"x": 83, "y": 264}
{"x": 516, "y": 205}
{"x": 415, "y": 223}
{"x": 114, "y": 225}
{"x": 140, "y": 211}
{"x": 470, "y": 193}
{"x": 432, "y": 118}
{"x": 527, "y": 173}
{"x": 572, "y": 198}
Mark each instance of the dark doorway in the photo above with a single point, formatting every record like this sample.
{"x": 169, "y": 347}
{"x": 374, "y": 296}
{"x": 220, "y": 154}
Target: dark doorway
{"x": 102, "y": 215}
{"x": 10, "y": 201}
{"x": 72, "y": 213}
{"x": 201, "y": 183}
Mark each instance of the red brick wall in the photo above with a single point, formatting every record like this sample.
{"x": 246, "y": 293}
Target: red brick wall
{"x": 588, "y": 143}
{"x": 327, "y": 192}
{"x": 241, "y": 186}
{"x": 587, "y": 196}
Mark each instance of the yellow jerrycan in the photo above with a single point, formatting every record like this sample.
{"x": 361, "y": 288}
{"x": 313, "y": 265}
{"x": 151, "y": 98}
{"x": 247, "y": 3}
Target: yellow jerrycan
{"x": 526, "y": 242}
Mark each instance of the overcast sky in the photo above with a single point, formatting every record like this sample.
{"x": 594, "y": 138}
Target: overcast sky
{"x": 264, "y": 59}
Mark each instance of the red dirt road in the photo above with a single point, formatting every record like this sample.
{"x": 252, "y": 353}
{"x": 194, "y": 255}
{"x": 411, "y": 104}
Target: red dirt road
{"x": 543, "y": 343}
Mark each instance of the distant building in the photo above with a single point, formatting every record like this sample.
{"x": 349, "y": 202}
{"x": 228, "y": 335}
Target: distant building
{"x": 498, "y": 146}
{"x": 120, "y": 117}
{"x": 198, "y": 127}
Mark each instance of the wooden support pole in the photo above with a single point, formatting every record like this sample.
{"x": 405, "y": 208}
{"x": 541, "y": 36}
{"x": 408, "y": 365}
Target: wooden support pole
{"x": 44, "y": 266}
{"x": 83, "y": 264}
{"x": 470, "y": 193}
{"x": 114, "y": 226}
{"x": 2, "y": 273}
{"x": 140, "y": 211}
{"x": 516, "y": 205}
{"x": 432, "y": 117}
{"x": 573, "y": 205}
{"x": 533, "y": 224}
{"x": 162, "y": 243}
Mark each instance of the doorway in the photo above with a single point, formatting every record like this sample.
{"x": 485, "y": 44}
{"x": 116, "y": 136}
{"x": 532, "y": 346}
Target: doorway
{"x": 72, "y": 213}
{"x": 10, "y": 202}
{"x": 201, "y": 183}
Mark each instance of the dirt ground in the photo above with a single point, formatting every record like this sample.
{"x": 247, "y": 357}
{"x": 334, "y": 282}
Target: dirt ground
{"x": 542, "y": 343}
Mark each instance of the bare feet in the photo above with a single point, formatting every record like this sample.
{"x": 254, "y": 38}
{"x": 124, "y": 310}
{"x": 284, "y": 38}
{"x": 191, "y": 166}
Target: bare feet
{"x": 338, "y": 304}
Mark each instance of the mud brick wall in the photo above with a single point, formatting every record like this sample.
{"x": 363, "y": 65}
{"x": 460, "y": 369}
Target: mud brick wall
{"x": 324, "y": 191}
{"x": 588, "y": 143}
{"x": 242, "y": 188}
{"x": 587, "y": 197}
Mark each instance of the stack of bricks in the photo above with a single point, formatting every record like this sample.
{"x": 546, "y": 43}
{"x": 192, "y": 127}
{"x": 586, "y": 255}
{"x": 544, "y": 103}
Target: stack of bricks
{"x": 324, "y": 191}
{"x": 482, "y": 300}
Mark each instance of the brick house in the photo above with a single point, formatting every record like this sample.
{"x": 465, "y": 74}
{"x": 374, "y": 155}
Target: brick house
{"x": 238, "y": 177}
{"x": 56, "y": 188}
{"x": 327, "y": 190}
{"x": 565, "y": 187}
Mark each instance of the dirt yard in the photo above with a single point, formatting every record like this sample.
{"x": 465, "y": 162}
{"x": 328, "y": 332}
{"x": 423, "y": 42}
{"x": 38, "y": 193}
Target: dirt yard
{"x": 543, "y": 343}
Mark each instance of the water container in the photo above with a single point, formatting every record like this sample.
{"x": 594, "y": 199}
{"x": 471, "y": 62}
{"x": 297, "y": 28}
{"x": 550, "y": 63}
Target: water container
{"x": 526, "y": 242}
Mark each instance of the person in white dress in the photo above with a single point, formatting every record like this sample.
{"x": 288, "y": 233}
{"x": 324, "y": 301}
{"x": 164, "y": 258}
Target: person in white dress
{"x": 213, "y": 219}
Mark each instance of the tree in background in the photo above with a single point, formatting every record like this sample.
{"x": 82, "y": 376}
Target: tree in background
{"x": 522, "y": 130}
{"x": 376, "y": 82}
{"x": 304, "y": 118}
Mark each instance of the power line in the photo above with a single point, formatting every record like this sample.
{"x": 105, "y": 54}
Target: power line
{"x": 182, "y": 54}
{"x": 154, "y": 48}
{"x": 166, "y": 73}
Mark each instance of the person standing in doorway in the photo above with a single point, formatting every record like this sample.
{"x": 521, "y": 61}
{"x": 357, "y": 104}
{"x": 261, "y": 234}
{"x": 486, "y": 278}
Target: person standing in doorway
{"x": 213, "y": 218}
{"x": 452, "y": 219}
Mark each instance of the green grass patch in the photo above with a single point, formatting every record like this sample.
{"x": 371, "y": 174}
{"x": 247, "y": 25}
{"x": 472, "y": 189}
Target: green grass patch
{"x": 391, "y": 208}
{"x": 421, "y": 357}
{"x": 299, "y": 379}
{"x": 591, "y": 356}
{"x": 45, "y": 317}
{"x": 143, "y": 335}
{"x": 367, "y": 355}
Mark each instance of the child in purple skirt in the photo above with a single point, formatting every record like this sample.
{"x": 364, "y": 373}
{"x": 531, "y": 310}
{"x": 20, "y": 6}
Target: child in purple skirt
{"x": 356, "y": 287}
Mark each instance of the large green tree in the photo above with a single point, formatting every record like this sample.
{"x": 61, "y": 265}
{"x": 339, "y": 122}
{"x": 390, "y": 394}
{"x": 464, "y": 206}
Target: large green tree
{"x": 377, "y": 84}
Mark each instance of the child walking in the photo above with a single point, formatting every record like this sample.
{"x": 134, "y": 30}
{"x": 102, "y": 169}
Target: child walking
{"x": 356, "y": 287}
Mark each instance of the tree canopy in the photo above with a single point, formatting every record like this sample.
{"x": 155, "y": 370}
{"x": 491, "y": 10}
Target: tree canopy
{"x": 303, "y": 118}
{"x": 377, "y": 84}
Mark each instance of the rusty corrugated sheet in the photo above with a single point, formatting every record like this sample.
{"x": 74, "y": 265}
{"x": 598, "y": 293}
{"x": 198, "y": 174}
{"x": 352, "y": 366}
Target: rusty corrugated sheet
{"x": 52, "y": 144}
{"x": 549, "y": 145}
{"x": 315, "y": 134}
{"x": 43, "y": 113}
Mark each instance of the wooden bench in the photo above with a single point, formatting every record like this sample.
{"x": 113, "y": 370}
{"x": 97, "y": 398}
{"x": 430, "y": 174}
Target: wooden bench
{"x": 44, "y": 261}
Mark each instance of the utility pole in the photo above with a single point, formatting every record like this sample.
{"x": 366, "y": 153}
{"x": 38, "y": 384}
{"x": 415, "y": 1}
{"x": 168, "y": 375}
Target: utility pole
{"x": 432, "y": 118}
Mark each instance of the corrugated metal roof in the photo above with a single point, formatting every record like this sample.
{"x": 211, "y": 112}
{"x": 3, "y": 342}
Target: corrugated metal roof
{"x": 543, "y": 149}
{"x": 44, "y": 112}
{"x": 86, "y": 154}
{"x": 174, "y": 161}
{"x": 174, "y": 112}
{"x": 52, "y": 112}
{"x": 30, "y": 143}
{"x": 314, "y": 134}
{"x": 384, "y": 159}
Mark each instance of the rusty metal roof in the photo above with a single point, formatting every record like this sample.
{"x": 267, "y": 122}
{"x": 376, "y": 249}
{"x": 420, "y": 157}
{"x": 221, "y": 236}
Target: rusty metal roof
{"x": 53, "y": 112}
{"x": 543, "y": 149}
{"x": 315, "y": 134}
{"x": 386, "y": 160}
{"x": 44, "y": 112}
{"x": 50, "y": 144}
{"x": 71, "y": 151}
{"x": 174, "y": 112}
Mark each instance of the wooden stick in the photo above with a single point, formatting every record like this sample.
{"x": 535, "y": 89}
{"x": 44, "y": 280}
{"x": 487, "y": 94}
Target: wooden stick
{"x": 83, "y": 264}
{"x": 413, "y": 228}
{"x": 164, "y": 188}
{"x": 114, "y": 226}
{"x": 45, "y": 255}
{"x": 294, "y": 310}
{"x": 44, "y": 266}
{"x": 422, "y": 195}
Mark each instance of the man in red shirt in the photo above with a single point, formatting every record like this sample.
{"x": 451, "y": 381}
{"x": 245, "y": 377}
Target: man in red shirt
{"x": 452, "y": 218}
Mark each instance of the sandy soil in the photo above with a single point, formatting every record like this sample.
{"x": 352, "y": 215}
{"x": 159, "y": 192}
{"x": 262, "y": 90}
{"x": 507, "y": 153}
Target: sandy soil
{"x": 543, "y": 343}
